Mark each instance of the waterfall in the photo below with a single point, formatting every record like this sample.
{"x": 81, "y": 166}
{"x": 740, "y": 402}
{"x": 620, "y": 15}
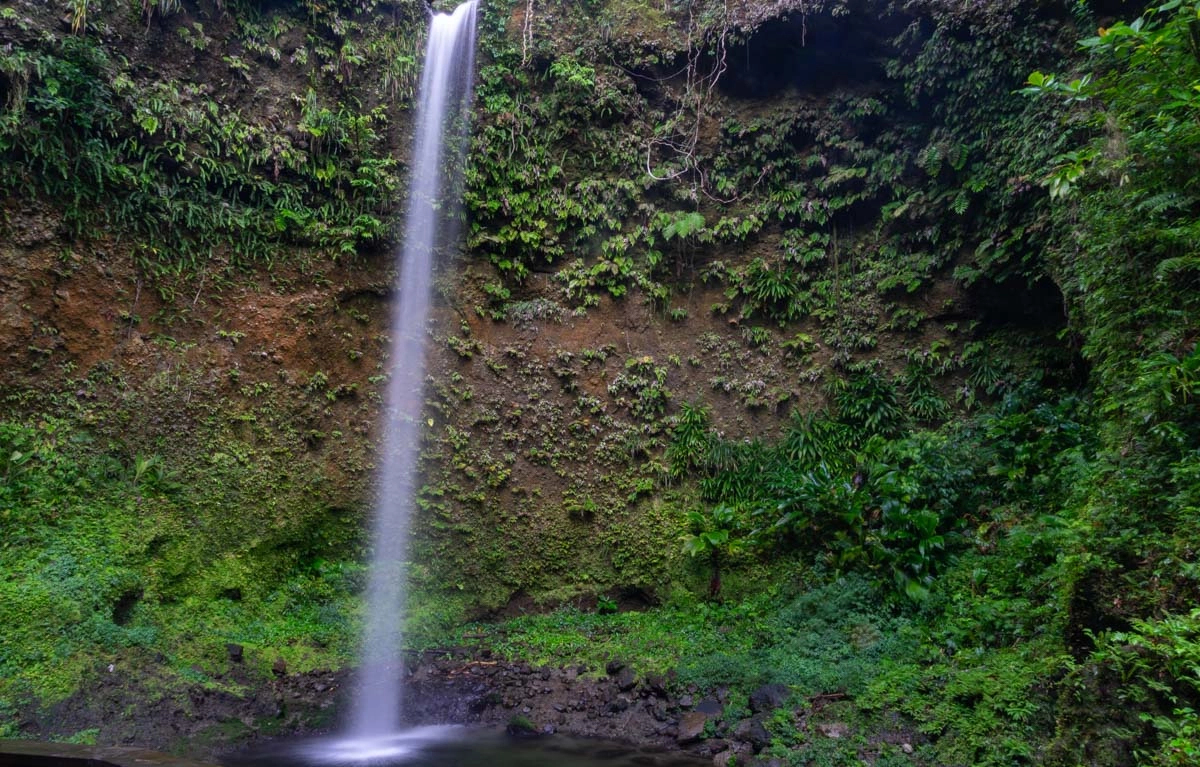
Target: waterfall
{"x": 439, "y": 146}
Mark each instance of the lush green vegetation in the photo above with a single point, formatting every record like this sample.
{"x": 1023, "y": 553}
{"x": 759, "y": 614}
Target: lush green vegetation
{"x": 978, "y": 526}
{"x": 917, "y": 575}
{"x": 199, "y": 182}
{"x": 108, "y": 556}
{"x": 1039, "y": 555}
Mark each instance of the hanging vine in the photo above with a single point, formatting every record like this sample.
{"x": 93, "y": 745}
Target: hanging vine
{"x": 678, "y": 147}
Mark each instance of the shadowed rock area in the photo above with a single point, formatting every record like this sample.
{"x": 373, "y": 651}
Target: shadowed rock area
{"x": 28, "y": 753}
{"x": 651, "y": 713}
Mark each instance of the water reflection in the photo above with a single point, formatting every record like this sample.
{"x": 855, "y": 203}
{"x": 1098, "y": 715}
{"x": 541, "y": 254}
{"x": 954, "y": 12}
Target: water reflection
{"x": 451, "y": 746}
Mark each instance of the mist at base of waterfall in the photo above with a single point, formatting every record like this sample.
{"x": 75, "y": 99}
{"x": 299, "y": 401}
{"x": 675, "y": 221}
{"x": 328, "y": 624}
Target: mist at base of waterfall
{"x": 454, "y": 746}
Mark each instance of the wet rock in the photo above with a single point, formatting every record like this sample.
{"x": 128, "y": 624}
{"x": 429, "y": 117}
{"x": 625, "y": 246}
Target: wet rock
{"x": 724, "y": 758}
{"x": 626, "y": 679}
{"x": 473, "y": 692}
{"x": 691, "y": 726}
{"x": 710, "y": 707}
{"x": 833, "y": 729}
{"x": 614, "y": 666}
{"x": 521, "y": 727}
{"x": 754, "y": 732}
{"x": 768, "y": 698}
{"x": 236, "y": 652}
{"x": 657, "y": 684}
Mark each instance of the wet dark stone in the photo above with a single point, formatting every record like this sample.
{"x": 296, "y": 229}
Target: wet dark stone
{"x": 754, "y": 732}
{"x": 768, "y": 698}
{"x": 657, "y": 684}
{"x": 18, "y": 752}
{"x": 626, "y": 679}
{"x": 520, "y": 727}
{"x": 691, "y": 726}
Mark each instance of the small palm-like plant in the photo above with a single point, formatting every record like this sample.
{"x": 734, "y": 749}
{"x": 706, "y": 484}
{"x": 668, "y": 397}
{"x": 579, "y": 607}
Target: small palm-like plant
{"x": 869, "y": 402}
{"x": 691, "y": 439}
{"x": 714, "y": 535}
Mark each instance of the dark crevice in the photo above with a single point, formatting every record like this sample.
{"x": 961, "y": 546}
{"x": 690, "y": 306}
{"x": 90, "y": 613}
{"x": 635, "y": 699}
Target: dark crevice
{"x": 812, "y": 55}
{"x": 1013, "y": 303}
{"x": 123, "y": 609}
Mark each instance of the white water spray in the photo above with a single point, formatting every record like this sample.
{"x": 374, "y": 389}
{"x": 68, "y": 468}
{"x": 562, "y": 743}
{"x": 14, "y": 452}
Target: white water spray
{"x": 438, "y": 150}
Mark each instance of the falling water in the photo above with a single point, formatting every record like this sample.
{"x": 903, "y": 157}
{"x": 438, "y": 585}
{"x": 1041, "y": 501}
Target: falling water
{"x": 438, "y": 150}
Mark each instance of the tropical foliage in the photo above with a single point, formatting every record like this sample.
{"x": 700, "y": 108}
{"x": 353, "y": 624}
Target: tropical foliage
{"x": 905, "y": 413}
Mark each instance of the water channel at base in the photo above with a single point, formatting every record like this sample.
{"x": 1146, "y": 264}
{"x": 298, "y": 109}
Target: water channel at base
{"x": 455, "y": 746}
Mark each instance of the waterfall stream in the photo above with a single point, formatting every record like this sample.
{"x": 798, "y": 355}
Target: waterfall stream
{"x": 439, "y": 148}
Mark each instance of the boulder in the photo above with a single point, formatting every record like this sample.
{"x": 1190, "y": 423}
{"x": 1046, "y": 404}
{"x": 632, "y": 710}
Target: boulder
{"x": 521, "y": 727}
{"x": 626, "y": 679}
{"x": 724, "y": 758}
{"x": 657, "y": 684}
{"x": 769, "y": 697}
{"x": 691, "y": 726}
{"x": 754, "y": 732}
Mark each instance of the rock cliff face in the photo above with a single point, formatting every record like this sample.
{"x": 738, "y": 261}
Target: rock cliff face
{"x": 732, "y": 205}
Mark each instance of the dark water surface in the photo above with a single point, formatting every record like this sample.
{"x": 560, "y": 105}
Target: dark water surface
{"x": 451, "y": 746}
